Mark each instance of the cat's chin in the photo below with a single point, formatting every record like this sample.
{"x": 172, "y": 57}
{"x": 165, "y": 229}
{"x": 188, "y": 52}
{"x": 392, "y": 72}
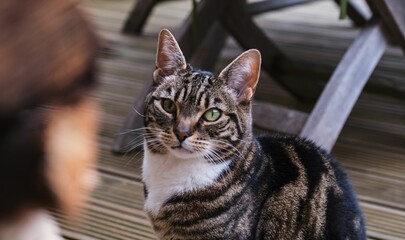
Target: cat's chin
{"x": 183, "y": 153}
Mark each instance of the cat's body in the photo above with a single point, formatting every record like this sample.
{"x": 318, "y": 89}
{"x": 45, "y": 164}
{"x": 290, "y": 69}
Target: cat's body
{"x": 207, "y": 177}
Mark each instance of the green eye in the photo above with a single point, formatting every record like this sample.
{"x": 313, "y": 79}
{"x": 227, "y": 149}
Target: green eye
{"x": 212, "y": 115}
{"x": 168, "y": 105}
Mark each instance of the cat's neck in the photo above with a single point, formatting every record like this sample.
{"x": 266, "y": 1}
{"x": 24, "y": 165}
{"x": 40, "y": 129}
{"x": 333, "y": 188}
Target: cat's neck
{"x": 165, "y": 176}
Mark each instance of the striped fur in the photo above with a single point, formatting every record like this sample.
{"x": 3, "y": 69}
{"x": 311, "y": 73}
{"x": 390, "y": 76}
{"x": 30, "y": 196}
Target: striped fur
{"x": 215, "y": 180}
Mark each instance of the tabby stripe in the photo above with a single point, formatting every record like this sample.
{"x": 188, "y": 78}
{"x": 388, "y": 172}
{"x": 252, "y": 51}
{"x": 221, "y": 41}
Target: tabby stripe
{"x": 224, "y": 205}
{"x": 185, "y": 94}
{"x": 200, "y": 94}
{"x": 276, "y": 151}
{"x": 310, "y": 160}
{"x": 207, "y": 101}
{"x": 229, "y": 139}
{"x": 208, "y": 225}
{"x": 235, "y": 119}
{"x": 224, "y": 127}
{"x": 179, "y": 95}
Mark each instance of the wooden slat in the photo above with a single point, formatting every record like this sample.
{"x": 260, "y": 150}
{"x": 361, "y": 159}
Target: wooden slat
{"x": 114, "y": 212}
{"x": 134, "y": 119}
{"x": 392, "y": 12}
{"x": 344, "y": 87}
{"x": 384, "y": 223}
{"x": 277, "y": 118}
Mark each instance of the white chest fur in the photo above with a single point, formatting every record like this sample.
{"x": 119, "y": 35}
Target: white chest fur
{"x": 166, "y": 175}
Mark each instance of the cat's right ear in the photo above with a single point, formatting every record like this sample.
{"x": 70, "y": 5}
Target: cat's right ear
{"x": 169, "y": 57}
{"x": 242, "y": 75}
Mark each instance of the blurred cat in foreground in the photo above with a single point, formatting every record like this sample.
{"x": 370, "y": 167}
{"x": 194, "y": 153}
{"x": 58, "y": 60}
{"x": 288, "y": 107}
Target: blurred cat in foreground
{"x": 47, "y": 121}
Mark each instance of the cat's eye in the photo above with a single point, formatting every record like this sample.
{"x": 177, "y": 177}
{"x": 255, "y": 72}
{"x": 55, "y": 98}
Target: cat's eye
{"x": 212, "y": 115}
{"x": 168, "y": 105}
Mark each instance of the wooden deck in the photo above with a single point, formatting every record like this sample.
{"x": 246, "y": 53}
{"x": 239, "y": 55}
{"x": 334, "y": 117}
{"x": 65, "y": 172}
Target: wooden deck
{"x": 371, "y": 146}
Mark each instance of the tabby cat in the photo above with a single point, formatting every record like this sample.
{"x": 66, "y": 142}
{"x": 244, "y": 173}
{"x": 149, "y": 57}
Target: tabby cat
{"x": 207, "y": 177}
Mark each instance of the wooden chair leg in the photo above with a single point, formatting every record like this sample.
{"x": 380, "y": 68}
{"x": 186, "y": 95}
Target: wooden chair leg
{"x": 138, "y": 16}
{"x": 240, "y": 25}
{"x": 343, "y": 89}
{"x": 392, "y": 13}
{"x": 188, "y": 37}
{"x": 209, "y": 49}
{"x": 207, "y": 53}
{"x": 271, "y": 5}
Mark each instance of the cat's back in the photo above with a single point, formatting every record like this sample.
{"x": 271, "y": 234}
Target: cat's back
{"x": 310, "y": 189}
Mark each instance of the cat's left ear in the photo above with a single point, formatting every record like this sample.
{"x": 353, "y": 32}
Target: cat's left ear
{"x": 243, "y": 74}
{"x": 169, "y": 57}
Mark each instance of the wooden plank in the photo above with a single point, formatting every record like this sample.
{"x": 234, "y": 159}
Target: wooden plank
{"x": 340, "y": 94}
{"x": 273, "y": 117}
{"x": 392, "y": 13}
{"x": 133, "y": 120}
{"x": 384, "y": 223}
{"x": 115, "y": 212}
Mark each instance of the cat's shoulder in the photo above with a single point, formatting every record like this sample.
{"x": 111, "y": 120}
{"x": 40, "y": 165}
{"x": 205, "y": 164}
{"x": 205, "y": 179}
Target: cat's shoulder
{"x": 269, "y": 141}
{"x": 279, "y": 144}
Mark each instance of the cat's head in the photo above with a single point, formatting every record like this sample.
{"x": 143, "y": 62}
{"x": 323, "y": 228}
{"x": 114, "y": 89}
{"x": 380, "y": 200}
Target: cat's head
{"x": 194, "y": 114}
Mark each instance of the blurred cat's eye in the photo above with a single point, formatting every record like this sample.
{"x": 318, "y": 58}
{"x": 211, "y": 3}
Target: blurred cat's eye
{"x": 212, "y": 115}
{"x": 168, "y": 105}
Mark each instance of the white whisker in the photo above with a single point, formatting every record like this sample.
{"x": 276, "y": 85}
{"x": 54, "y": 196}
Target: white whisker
{"x": 133, "y": 108}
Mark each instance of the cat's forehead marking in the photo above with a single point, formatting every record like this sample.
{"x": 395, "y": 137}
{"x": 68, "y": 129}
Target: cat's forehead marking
{"x": 192, "y": 93}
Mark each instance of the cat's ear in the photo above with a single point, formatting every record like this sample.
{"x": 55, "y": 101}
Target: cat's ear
{"x": 243, "y": 74}
{"x": 169, "y": 57}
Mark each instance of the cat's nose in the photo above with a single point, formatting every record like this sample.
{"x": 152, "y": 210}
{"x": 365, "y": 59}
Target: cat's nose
{"x": 181, "y": 136}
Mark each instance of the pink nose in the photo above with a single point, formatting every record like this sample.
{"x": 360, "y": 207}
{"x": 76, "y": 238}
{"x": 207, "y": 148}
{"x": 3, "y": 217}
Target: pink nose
{"x": 182, "y": 135}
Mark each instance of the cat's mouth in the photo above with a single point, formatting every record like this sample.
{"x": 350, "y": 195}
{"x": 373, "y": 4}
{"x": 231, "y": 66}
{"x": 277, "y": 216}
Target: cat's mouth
{"x": 181, "y": 149}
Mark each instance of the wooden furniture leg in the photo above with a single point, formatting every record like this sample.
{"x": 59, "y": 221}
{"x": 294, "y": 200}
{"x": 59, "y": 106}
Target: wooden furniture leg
{"x": 356, "y": 13}
{"x": 343, "y": 89}
{"x": 138, "y": 16}
{"x": 207, "y": 53}
{"x": 326, "y": 120}
{"x": 263, "y": 6}
{"x": 240, "y": 25}
{"x": 208, "y": 12}
{"x": 393, "y": 14}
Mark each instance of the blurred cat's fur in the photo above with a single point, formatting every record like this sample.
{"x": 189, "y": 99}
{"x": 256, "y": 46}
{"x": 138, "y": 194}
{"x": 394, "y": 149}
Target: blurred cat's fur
{"x": 47, "y": 121}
